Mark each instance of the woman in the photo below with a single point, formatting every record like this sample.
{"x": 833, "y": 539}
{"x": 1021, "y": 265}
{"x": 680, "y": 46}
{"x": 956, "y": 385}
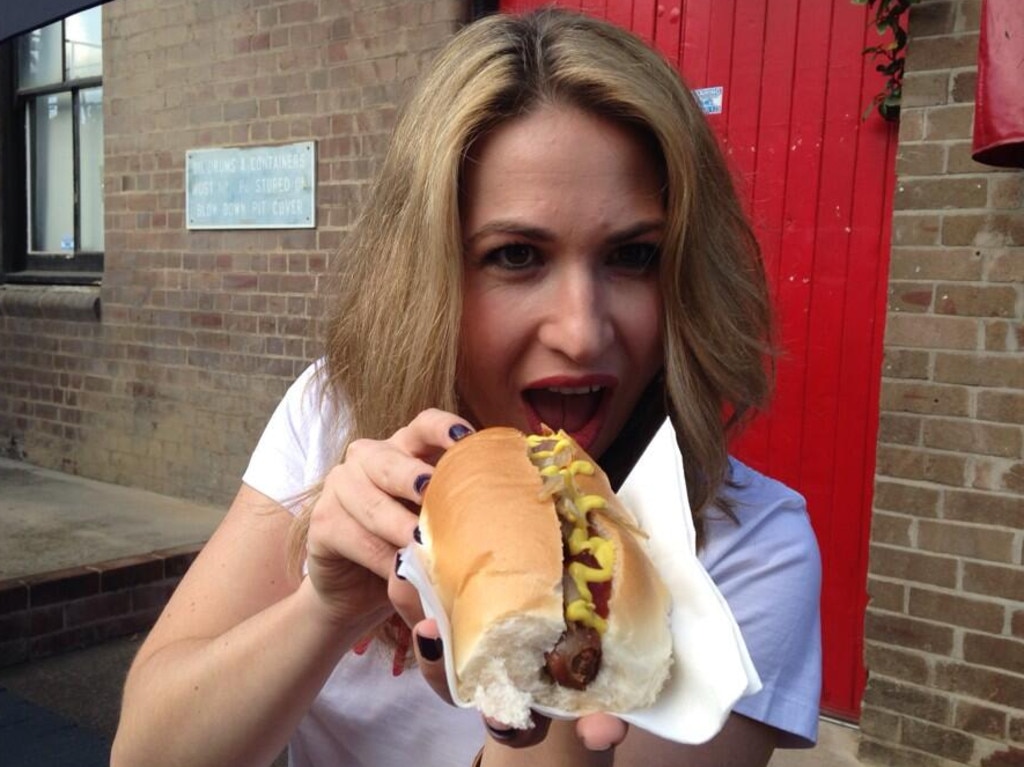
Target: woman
{"x": 554, "y": 237}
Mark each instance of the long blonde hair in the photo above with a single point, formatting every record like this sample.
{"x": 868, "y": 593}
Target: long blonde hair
{"x": 394, "y": 307}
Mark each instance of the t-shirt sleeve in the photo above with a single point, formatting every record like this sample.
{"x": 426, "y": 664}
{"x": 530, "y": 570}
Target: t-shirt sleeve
{"x": 296, "y": 446}
{"x": 768, "y": 568}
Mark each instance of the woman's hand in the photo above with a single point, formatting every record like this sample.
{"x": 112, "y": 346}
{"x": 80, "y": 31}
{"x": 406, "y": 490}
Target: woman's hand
{"x": 596, "y": 732}
{"x": 741, "y": 741}
{"x": 365, "y": 514}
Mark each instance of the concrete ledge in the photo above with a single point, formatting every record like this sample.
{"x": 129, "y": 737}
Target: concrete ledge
{"x": 51, "y": 302}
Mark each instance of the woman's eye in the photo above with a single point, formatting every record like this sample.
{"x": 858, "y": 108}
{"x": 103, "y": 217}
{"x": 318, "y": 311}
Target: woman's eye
{"x": 513, "y": 257}
{"x": 635, "y": 257}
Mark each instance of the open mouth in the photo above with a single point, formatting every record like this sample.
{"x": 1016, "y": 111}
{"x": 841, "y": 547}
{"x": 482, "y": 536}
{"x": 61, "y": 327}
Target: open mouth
{"x": 575, "y": 409}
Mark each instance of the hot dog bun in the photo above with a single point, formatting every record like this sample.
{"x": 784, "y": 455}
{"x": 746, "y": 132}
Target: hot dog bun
{"x": 493, "y": 548}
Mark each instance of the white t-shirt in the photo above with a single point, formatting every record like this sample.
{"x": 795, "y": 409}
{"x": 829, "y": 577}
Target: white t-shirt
{"x": 767, "y": 568}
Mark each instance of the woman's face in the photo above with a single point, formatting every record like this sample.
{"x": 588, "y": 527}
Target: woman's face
{"x": 562, "y": 216}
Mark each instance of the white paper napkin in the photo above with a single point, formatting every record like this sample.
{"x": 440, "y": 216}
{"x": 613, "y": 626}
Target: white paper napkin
{"x": 711, "y": 666}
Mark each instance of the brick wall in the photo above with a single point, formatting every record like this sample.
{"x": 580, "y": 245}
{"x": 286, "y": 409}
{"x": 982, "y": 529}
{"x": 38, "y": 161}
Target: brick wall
{"x": 944, "y": 637}
{"x": 68, "y": 609}
{"x": 201, "y": 331}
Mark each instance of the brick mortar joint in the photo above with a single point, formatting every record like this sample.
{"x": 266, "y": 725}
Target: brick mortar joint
{"x": 100, "y": 568}
{"x": 930, "y": 690}
{"x": 946, "y": 591}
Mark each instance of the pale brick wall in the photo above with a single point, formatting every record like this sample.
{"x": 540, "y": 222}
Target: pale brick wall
{"x": 202, "y": 330}
{"x": 945, "y": 626}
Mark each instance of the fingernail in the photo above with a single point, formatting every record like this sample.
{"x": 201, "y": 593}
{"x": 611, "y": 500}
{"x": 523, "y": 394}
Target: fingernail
{"x": 398, "y": 565}
{"x": 501, "y": 733}
{"x": 417, "y": 535}
{"x": 458, "y": 431}
{"x": 421, "y": 483}
{"x": 430, "y": 649}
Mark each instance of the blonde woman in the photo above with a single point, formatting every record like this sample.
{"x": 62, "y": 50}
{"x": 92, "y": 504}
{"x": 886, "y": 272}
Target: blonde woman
{"x": 554, "y": 237}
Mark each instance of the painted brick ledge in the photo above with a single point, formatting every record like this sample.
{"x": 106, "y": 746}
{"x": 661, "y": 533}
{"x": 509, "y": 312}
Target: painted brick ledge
{"x": 51, "y": 613}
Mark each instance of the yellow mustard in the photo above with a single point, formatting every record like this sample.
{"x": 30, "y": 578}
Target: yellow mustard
{"x": 554, "y": 462}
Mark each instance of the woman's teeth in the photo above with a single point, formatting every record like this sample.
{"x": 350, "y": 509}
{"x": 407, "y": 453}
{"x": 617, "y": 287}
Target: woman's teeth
{"x": 574, "y": 389}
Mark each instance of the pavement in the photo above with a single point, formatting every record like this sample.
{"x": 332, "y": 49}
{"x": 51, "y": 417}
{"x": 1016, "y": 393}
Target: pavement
{"x": 53, "y": 521}
{"x": 62, "y": 710}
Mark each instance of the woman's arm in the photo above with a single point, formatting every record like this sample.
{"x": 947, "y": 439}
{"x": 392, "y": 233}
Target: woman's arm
{"x": 243, "y": 647}
{"x": 239, "y": 653}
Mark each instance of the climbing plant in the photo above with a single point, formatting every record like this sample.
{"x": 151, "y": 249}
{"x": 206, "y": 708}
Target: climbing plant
{"x": 889, "y": 19}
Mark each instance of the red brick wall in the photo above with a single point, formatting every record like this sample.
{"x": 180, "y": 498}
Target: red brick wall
{"x": 945, "y": 626}
{"x": 202, "y": 330}
{"x": 54, "y": 612}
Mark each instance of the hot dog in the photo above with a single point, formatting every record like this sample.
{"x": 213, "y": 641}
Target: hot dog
{"x": 552, "y": 599}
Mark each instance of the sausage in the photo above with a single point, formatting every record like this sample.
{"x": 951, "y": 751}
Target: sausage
{"x": 576, "y": 657}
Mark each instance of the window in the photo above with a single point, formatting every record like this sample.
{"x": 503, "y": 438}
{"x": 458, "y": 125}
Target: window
{"x": 58, "y": 145}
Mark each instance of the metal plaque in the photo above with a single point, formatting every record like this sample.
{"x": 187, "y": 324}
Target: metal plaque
{"x": 265, "y": 187}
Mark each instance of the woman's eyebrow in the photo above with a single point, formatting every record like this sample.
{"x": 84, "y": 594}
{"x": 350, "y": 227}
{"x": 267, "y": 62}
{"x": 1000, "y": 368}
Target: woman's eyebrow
{"x": 508, "y": 226}
{"x": 539, "y": 234}
{"x": 639, "y": 229}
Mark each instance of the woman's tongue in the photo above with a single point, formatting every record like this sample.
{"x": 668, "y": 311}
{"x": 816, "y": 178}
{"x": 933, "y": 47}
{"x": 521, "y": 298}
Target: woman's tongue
{"x": 563, "y": 411}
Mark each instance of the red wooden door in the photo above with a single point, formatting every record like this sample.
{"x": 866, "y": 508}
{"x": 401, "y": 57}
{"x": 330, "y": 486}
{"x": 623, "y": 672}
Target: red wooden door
{"x": 817, "y": 180}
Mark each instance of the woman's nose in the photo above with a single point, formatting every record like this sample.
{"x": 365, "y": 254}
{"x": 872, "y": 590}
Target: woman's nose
{"x": 579, "y": 322}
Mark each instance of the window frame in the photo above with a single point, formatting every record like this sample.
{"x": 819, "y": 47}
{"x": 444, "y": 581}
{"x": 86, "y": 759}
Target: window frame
{"x": 19, "y": 263}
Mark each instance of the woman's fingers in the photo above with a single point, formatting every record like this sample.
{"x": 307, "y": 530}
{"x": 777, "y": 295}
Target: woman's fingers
{"x": 515, "y": 738}
{"x": 367, "y": 511}
{"x": 430, "y": 656}
{"x": 404, "y": 597}
{"x": 430, "y": 433}
{"x": 359, "y": 520}
{"x": 368, "y": 506}
{"x": 599, "y": 732}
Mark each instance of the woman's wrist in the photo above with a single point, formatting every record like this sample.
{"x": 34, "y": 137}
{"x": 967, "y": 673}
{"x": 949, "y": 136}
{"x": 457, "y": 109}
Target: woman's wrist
{"x": 332, "y": 622}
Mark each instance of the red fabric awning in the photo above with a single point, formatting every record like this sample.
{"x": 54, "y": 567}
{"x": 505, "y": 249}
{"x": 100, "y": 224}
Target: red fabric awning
{"x": 999, "y": 98}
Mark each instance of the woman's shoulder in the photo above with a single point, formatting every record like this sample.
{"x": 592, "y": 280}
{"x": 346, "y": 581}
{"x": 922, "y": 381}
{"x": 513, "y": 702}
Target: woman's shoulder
{"x": 311, "y": 401}
{"x": 302, "y": 438}
{"x": 750, "y": 489}
{"x": 759, "y": 514}
{"x": 764, "y": 558}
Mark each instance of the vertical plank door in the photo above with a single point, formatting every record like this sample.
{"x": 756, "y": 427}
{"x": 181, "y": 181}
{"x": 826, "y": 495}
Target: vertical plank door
{"x": 817, "y": 180}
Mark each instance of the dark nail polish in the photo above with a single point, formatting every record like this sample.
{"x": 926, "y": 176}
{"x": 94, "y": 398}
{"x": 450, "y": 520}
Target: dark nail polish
{"x": 417, "y": 535}
{"x": 430, "y": 649}
{"x": 507, "y": 733}
{"x": 398, "y": 565}
{"x": 458, "y": 431}
{"x": 421, "y": 483}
